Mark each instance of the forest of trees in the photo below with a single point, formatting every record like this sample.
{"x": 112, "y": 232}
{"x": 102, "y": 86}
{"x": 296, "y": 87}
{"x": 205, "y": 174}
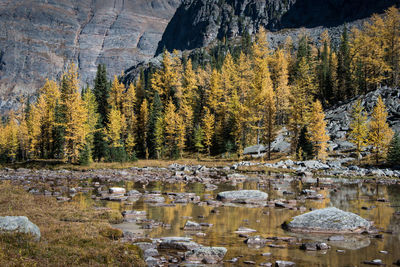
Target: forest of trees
{"x": 239, "y": 98}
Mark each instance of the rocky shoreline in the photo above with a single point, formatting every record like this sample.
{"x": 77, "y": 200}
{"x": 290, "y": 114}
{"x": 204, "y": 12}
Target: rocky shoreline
{"x": 105, "y": 185}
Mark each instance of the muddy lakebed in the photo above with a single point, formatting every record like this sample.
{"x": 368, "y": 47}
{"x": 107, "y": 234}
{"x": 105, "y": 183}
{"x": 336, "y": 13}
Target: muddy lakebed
{"x": 182, "y": 202}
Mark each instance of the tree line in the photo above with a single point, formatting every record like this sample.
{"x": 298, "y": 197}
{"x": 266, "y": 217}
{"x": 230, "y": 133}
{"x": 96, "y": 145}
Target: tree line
{"x": 214, "y": 107}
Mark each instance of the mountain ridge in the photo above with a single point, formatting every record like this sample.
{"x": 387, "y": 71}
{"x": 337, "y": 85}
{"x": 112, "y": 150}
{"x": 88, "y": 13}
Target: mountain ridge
{"x": 207, "y": 20}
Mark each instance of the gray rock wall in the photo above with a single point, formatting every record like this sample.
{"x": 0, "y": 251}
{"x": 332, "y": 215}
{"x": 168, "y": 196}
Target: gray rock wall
{"x": 38, "y": 38}
{"x": 206, "y": 20}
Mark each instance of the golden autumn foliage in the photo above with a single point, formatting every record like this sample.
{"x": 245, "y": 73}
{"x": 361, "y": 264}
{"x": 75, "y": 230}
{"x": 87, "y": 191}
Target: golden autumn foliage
{"x": 380, "y": 133}
{"x": 358, "y": 127}
{"x": 223, "y": 98}
{"x": 317, "y": 130}
{"x": 74, "y": 112}
{"x": 115, "y": 127}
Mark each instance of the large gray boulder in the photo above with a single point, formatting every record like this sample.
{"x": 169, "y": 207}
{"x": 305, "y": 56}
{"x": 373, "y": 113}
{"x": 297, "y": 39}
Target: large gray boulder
{"x": 208, "y": 255}
{"x": 19, "y": 224}
{"x": 242, "y": 196}
{"x": 328, "y": 220}
{"x": 178, "y": 243}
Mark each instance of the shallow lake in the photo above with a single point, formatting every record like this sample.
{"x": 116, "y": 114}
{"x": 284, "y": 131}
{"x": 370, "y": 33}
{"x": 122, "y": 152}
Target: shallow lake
{"x": 348, "y": 196}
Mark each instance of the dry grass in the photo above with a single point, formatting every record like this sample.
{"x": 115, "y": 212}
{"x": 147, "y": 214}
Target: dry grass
{"x": 71, "y": 236}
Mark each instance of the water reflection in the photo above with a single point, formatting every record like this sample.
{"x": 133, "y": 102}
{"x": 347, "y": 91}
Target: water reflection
{"x": 354, "y": 197}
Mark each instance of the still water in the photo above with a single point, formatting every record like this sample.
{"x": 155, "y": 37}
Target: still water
{"x": 267, "y": 221}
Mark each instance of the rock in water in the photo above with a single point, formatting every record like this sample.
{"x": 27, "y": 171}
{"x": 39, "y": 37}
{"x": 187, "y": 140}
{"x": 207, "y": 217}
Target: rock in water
{"x": 192, "y": 226}
{"x": 242, "y": 196}
{"x": 117, "y": 190}
{"x": 328, "y": 220}
{"x": 208, "y": 255}
{"x": 19, "y": 224}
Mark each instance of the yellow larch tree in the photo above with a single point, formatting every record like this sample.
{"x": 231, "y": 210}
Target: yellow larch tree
{"x": 368, "y": 52}
{"x": 92, "y": 117}
{"x": 208, "y": 128}
{"x": 170, "y": 118}
{"x": 143, "y": 126}
{"x": 180, "y": 134}
{"x": 189, "y": 96}
{"x": 129, "y": 103}
{"x": 244, "y": 87}
{"x": 301, "y": 96}
{"x": 280, "y": 77}
{"x": 167, "y": 80}
{"x": 358, "y": 134}
{"x": 262, "y": 83}
{"x": 116, "y": 99}
{"x": 11, "y": 137}
{"x": 228, "y": 77}
{"x": 34, "y": 129}
{"x": 317, "y": 131}
{"x": 74, "y": 112}
{"x": 159, "y": 136}
{"x": 176, "y": 78}
{"x": 215, "y": 92}
{"x": 49, "y": 97}
{"x": 390, "y": 29}
{"x": 115, "y": 127}
{"x": 236, "y": 119}
{"x": 269, "y": 122}
{"x": 23, "y": 134}
{"x": 380, "y": 134}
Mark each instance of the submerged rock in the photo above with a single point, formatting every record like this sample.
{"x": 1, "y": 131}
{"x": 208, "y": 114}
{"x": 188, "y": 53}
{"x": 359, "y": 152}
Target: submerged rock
{"x": 117, "y": 190}
{"x": 284, "y": 264}
{"x": 19, "y": 224}
{"x": 242, "y": 196}
{"x": 190, "y": 225}
{"x": 244, "y": 230}
{"x": 178, "y": 243}
{"x": 255, "y": 240}
{"x": 208, "y": 255}
{"x": 328, "y": 220}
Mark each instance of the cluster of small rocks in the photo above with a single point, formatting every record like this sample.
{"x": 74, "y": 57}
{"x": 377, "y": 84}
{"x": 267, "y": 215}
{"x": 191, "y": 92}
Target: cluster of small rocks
{"x": 333, "y": 167}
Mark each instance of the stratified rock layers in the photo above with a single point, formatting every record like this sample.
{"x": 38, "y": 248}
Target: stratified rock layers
{"x": 39, "y": 38}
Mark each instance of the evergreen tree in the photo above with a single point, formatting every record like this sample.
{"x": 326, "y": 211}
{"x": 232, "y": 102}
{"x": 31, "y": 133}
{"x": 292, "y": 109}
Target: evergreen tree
{"x": 345, "y": 85}
{"x": 101, "y": 91}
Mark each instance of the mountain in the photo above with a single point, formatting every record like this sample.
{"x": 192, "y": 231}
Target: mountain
{"x": 206, "y": 20}
{"x": 38, "y": 38}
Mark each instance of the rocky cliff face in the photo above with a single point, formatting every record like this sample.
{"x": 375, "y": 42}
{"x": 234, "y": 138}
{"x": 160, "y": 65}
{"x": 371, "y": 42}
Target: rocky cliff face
{"x": 198, "y": 22}
{"x": 38, "y": 38}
